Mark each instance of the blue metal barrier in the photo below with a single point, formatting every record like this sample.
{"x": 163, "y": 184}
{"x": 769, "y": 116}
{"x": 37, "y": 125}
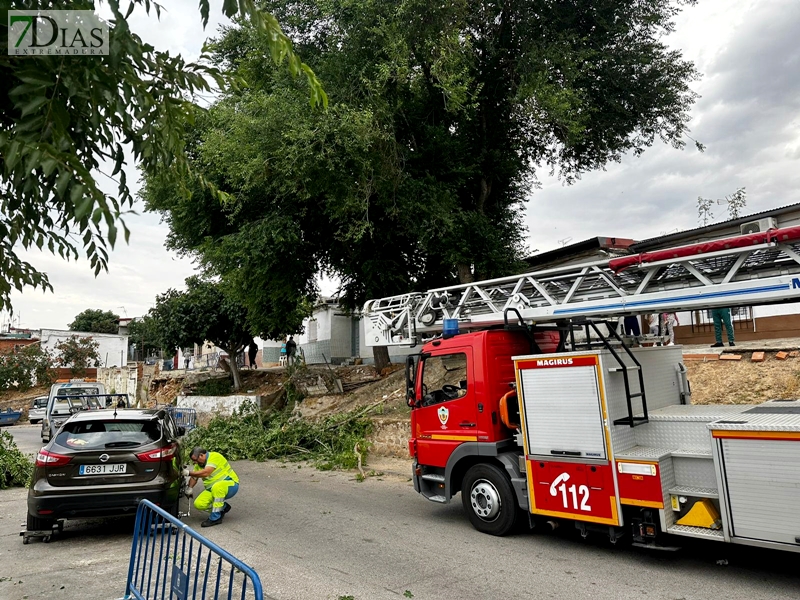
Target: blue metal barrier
{"x": 187, "y": 417}
{"x": 171, "y": 560}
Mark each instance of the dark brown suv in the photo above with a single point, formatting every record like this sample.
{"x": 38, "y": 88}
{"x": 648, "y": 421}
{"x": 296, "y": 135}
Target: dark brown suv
{"x": 102, "y": 463}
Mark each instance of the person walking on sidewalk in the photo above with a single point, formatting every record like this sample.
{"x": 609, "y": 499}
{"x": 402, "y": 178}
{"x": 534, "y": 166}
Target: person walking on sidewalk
{"x": 291, "y": 350}
{"x": 219, "y": 480}
{"x": 722, "y": 316}
{"x": 670, "y": 320}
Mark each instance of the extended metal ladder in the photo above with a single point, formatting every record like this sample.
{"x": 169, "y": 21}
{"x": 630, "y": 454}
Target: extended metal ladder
{"x": 739, "y": 271}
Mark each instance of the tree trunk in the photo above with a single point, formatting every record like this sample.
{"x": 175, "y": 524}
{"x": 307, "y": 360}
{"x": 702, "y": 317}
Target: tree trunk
{"x": 235, "y": 375}
{"x": 381, "y": 356}
{"x": 465, "y": 273}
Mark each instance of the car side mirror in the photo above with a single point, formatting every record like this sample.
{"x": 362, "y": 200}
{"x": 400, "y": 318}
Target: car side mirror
{"x": 181, "y": 430}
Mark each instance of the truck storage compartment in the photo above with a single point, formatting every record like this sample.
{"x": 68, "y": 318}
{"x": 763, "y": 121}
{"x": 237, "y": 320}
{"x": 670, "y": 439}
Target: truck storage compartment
{"x": 762, "y": 480}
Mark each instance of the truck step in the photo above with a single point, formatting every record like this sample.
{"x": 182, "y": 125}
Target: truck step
{"x": 441, "y": 499}
{"x": 433, "y": 477}
{"x": 697, "y": 532}
{"x": 695, "y": 492}
{"x": 692, "y": 453}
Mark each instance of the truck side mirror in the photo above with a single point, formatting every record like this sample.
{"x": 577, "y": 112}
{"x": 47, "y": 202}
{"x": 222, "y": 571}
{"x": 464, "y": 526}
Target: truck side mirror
{"x": 411, "y": 369}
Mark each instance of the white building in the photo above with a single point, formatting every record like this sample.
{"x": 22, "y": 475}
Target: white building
{"x": 331, "y": 334}
{"x": 113, "y": 349}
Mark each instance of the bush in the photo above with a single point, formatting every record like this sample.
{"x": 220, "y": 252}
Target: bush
{"x": 220, "y": 386}
{"x": 78, "y": 353}
{"x": 16, "y": 469}
{"x": 250, "y": 434}
{"x": 25, "y": 368}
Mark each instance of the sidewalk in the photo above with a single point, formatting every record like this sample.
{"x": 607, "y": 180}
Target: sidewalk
{"x": 776, "y": 345}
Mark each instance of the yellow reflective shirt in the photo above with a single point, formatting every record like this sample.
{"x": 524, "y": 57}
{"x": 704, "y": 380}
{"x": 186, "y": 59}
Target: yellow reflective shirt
{"x": 222, "y": 470}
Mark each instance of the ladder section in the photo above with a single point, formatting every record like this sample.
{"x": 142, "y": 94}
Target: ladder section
{"x": 633, "y": 419}
{"x": 740, "y": 271}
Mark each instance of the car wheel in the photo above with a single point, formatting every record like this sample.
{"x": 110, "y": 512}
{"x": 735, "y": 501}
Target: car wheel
{"x": 489, "y": 500}
{"x": 39, "y": 524}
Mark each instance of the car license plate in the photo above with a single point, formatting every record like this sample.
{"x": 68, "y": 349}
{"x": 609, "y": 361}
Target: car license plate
{"x": 114, "y": 469}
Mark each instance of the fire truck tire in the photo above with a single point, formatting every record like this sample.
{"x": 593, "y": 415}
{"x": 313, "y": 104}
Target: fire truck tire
{"x": 489, "y": 500}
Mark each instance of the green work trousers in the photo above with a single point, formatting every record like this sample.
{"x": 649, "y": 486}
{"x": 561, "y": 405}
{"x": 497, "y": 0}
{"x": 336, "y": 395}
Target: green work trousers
{"x": 214, "y": 499}
{"x": 722, "y": 316}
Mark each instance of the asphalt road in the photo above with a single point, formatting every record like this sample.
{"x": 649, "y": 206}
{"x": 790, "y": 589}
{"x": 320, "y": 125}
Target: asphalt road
{"x": 27, "y": 437}
{"x": 322, "y": 535}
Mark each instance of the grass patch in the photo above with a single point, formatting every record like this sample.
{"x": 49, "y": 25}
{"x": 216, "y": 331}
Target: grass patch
{"x": 249, "y": 434}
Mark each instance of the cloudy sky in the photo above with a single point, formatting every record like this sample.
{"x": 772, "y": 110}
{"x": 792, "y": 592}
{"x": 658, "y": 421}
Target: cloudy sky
{"x": 748, "y": 118}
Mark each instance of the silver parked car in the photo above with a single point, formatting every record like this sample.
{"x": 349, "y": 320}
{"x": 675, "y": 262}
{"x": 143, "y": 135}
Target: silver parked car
{"x": 37, "y": 409}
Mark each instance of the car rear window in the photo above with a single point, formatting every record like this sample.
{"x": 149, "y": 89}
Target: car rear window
{"x": 94, "y": 435}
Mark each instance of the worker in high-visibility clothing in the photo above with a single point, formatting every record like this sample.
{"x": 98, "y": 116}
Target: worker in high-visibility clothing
{"x": 220, "y": 481}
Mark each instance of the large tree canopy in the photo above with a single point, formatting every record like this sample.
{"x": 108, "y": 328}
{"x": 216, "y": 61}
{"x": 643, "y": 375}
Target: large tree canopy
{"x": 95, "y": 321}
{"x": 64, "y": 120}
{"x": 441, "y": 114}
{"x": 204, "y": 312}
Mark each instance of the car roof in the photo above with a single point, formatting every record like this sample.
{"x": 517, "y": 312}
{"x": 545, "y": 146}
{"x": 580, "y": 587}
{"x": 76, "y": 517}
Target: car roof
{"x": 121, "y": 413}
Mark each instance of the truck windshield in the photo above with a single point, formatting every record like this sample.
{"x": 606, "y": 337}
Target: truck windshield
{"x": 444, "y": 378}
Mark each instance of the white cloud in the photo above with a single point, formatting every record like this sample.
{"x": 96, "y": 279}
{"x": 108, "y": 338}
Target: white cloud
{"x": 748, "y": 117}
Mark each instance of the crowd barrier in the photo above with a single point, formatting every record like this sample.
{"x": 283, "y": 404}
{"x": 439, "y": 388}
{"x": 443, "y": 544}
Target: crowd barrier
{"x": 170, "y": 560}
{"x": 187, "y": 417}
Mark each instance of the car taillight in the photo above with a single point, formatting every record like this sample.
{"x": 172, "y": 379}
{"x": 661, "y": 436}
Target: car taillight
{"x": 160, "y": 455}
{"x": 45, "y": 458}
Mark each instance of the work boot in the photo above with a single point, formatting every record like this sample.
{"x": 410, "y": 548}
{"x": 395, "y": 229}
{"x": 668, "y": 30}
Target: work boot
{"x": 717, "y": 345}
{"x": 226, "y": 509}
{"x": 209, "y": 523}
{"x": 731, "y": 344}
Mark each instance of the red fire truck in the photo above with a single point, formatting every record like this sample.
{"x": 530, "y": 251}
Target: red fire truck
{"x": 527, "y": 401}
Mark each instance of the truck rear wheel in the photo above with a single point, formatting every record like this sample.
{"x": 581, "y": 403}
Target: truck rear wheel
{"x": 489, "y": 500}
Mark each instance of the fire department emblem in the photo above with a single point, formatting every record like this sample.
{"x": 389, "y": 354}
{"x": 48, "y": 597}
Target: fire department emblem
{"x": 444, "y": 414}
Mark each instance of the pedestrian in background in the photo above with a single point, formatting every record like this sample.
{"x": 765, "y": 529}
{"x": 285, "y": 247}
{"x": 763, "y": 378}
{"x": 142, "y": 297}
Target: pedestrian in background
{"x": 282, "y": 358}
{"x": 252, "y": 353}
{"x": 722, "y": 316}
{"x": 632, "y": 326}
{"x": 670, "y": 320}
{"x": 655, "y": 326}
{"x": 291, "y": 350}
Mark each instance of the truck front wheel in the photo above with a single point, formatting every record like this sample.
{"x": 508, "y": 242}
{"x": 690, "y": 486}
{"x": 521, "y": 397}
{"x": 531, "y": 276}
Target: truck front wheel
{"x": 489, "y": 500}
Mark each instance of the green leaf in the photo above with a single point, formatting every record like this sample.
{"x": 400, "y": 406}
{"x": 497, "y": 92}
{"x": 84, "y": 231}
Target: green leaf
{"x": 33, "y": 105}
{"x": 62, "y": 182}
{"x": 12, "y": 157}
{"x": 83, "y": 204}
{"x": 49, "y": 165}
{"x": 40, "y": 80}
{"x": 230, "y": 8}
